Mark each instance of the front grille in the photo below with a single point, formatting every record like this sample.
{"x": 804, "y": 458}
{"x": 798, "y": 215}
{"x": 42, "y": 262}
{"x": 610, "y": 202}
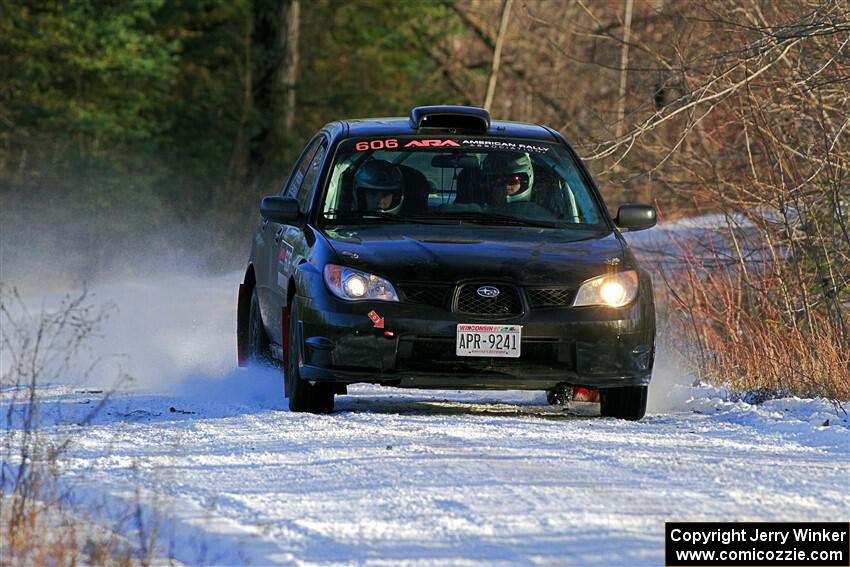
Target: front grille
{"x": 549, "y": 297}
{"x": 436, "y": 295}
{"x": 505, "y": 304}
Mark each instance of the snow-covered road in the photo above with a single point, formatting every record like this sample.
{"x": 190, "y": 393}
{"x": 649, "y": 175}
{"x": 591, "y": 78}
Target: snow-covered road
{"x": 446, "y": 478}
{"x": 426, "y": 478}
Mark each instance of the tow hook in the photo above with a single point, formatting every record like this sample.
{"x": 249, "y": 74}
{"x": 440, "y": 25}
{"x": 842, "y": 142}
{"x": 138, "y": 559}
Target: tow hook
{"x": 562, "y": 394}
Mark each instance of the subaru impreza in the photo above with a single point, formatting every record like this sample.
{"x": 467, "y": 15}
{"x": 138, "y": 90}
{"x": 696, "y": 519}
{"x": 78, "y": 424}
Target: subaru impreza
{"x": 447, "y": 250}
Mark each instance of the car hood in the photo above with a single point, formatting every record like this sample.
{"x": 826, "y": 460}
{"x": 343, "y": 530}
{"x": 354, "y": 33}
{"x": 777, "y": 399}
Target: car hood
{"x": 440, "y": 253}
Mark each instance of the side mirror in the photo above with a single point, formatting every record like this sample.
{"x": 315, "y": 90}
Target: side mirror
{"x": 634, "y": 217}
{"x": 282, "y": 210}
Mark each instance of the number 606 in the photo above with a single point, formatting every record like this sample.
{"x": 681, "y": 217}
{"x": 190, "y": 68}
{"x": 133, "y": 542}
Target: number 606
{"x": 376, "y": 145}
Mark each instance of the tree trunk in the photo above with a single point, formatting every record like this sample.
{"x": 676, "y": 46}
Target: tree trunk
{"x": 239, "y": 156}
{"x": 497, "y": 54}
{"x": 624, "y": 68}
{"x": 265, "y": 44}
{"x": 289, "y": 74}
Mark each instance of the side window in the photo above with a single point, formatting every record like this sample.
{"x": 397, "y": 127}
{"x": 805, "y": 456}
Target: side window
{"x": 305, "y": 191}
{"x": 291, "y": 189}
{"x": 586, "y": 209}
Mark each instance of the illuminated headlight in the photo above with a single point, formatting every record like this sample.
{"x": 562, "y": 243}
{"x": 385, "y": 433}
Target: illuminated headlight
{"x": 615, "y": 290}
{"x": 354, "y": 285}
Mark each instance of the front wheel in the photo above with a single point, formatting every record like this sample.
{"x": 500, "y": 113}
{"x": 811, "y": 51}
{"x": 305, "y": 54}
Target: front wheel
{"x": 624, "y": 403}
{"x": 303, "y": 396}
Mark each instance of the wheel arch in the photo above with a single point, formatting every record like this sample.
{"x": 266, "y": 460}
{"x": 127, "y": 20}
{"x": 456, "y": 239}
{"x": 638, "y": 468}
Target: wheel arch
{"x": 243, "y": 309}
{"x": 284, "y": 332}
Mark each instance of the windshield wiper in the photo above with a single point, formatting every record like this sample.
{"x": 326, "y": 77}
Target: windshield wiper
{"x": 495, "y": 218}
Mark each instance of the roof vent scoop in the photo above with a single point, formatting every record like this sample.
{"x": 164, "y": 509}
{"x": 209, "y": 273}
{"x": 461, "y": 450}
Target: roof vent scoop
{"x": 458, "y": 118}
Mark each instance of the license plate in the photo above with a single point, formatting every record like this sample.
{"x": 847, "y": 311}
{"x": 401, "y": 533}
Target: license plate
{"x": 488, "y": 340}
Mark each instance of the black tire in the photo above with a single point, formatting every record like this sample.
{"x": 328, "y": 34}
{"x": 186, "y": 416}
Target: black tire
{"x": 624, "y": 403}
{"x": 258, "y": 351}
{"x": 303, "y": 396}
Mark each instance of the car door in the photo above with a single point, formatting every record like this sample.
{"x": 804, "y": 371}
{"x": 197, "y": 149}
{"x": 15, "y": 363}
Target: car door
{"x": 266, "y": 246}
{"x": 289, "y": 244}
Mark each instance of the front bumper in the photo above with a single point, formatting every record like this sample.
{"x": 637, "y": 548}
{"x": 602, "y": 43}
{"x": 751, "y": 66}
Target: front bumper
{"x": 592, "y": 346}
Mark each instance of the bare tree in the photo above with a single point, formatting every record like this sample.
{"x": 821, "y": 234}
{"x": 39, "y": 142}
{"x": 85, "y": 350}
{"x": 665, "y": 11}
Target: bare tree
{"x": 497, "y": 54}
{"x": 736, "y": 108}
{"x": 289, "y": 67}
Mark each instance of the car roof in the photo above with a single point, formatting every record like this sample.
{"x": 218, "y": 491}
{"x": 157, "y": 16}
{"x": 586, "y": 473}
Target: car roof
{"x": 440, "y": 120}
{"x": 398, "y": 126}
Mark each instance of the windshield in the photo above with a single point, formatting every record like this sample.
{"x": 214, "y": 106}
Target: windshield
{"x": 458, "y": 179}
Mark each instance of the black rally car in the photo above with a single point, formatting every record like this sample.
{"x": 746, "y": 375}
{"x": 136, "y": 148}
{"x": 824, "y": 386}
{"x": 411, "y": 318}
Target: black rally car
{"x": 446, "y": 250}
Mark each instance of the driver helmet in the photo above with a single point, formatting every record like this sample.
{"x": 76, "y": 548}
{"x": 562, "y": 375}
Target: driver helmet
{"x": 378, "y": 186}
{"x": 511, "y": 173}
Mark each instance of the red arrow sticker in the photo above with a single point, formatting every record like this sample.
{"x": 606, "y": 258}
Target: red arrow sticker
{"x": 377, "y": 320}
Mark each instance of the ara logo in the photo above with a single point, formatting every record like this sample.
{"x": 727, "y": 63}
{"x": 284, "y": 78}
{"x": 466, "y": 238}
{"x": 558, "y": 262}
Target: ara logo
{"x": 431, "y": 144}
{"x": 488, "y": 291}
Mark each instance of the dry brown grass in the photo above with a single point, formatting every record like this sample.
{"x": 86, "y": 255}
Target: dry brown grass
{"x": 47, "y": 532}
{"x": 39, "y": 521}
{"x": 733, "y": 324}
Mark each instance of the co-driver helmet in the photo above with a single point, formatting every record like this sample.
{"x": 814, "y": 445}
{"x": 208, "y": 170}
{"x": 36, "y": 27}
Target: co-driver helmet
{"x": 498, "y": 168}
